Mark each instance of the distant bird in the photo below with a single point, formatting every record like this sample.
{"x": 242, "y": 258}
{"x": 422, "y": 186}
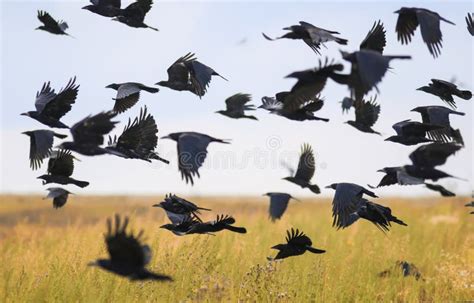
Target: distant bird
{"x": 128, "y": 257}
{"x": 134, "y": 14}
{"x": 346, "y": 104}
{"x": 412, "y": 132}
{"x": 367, "y": 70}
{"x": 128, "y": 94}
{"x": 223, "y": 222}
{"x": 366, "y": 114}
{"x": 192, "y": 151}
{"x": 445, "y": 91}
{"x": 138, "y": 139}
{"x": 88, "y": 134}
{"x": 278, "y": 204}
{"x": 179, "y": 210}
{"x": 297, "y": 243}
{"x": 408, "y": 20}
{"x": 282, "y": 105}
{"x": 313, "y": 36}
{"x": 50, "y": 107}
{"x": 106, "y": 8}
{"x": 188, "y": 74}
{"x": 349, "y": 205}
{"x": 439, "y": 115}
{"x": 407, "y": 269}
{"x": 50, "y": 25}
{"x": 41, "y": 142}
{"x": 470, "y": 23}
{"x": 59, "y": 196}
{"x": 305, "y": 170}
{"x": 375, "y": 39}
{"x": 60, "y": 169}
{"x": 236, "y": 105}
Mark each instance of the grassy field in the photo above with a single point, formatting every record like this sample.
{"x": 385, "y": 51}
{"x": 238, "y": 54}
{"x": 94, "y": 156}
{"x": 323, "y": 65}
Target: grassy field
{"x": 44, "y": 252}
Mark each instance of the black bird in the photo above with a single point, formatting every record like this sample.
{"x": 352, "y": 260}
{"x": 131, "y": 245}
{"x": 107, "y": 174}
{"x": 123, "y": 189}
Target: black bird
{"x": 134, "y": 14}
{"x": 128, "y": 256}
{"x": 313, "y": 36}
{"x": 59, "y": 196}
{"x": 411, "y": 175}
{"x": 106, "y": 8}
{"x": 179, "y": 210}
{"x": 60, "y": 169}
{"x": 412, "y": 132}
{"x": 367, "y": 70}
{"x": 434, "y": 154}
{"x": 282, "y": 105}
{"x": 138, "y": 139}
{"x": 128, "y": 94}
{"x": 366, "y": 114}
{"x": 236, "y": 105}
{"x": 408, "y": 20}
{"x": 305, "y": 171}
{"x": 439, "y": 115}
{"x": 192, "y": 151}
{"x": 181, "y": 228}
{"x": 440, "y": 189}
{"x": 349, "y": 205}
{"x": 223, "y": 222}
{"x": 375, "y": 39}
{"x": 297, "y": 243}
{"x": 41, "y": 142}
{"x": 346, "y": 104}
{"x": 445, "y": 91}
{"x": 188, "y": 74}
{"x": 50, "y": 25}
{"x": 407, "y": 269}
{"x": 278, "y": 204}
{"x": 470, "y": 204}
{"x": 470, "y": 23}
{"x": 89, "y": 133}
{"x": 50, "y": 107}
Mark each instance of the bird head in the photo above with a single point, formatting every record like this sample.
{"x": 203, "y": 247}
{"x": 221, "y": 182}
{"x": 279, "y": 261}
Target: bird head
{"x": 220, "y": 112}
{"x": 172, "y": 136}
{"x": 333, "y": 186}
{"x": 28, "y": 114}
{"x": 42, "y": 27}
{"x": 88, "y": 7}
{"x": 113, "y": 86}
{"x": 424, "y": 88}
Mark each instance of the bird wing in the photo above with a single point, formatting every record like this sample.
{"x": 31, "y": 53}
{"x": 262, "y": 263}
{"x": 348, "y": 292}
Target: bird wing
{"x": 179, "y": 71}
{"x": 128, "y": 95}
{"x": 306, "y": 164}
{"x": 407, "y": 23}
{"x": 417, "y": 129}
{"x": 430, "y": 30}
{"x": 367, "y": 113}
{"x": 271, "y": 104}
{"x": 439, "y": 115}
{"x": 444, "y": 84}
{"x": 201, "y": 75}
{"x": 41, "y": 142}
{"x": 62, "y": 103}
{"x": 313, "y": 105}
{"x": 434, "y": 154}
{"x": 403, "y": 178}
{"x": 47, "y": 20}
{"x": 114, "y": 3}
{"x": 347, "y": 200}
{"x": 44, "y": 96}
{"x": 61, "y": 163}
{"x": 278, "y": 205}
{"x": 91, "y": 130}
{"x": 371, "y": 66}
{"x": 375, "y": 39}
{"x": 192, "y": 151}
{"x": 470, "y": 23}
{"x": 297, "y": 238}
{"x": 54, "y": 192}
{"x": 137, "y": 10}
{"x": 236, "y": 103}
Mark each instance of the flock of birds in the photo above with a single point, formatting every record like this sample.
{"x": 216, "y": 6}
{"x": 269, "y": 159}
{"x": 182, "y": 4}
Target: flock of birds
{"x": 128, "y": 255}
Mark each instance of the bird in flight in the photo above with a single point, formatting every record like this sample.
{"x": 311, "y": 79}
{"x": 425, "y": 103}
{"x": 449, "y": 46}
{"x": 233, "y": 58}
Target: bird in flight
{"x": 128, "y": 94}
{"x": 236, "y": 105}
{"x": 41, "y": 143}
{"x": 50, "y": 25}
{"x": 134, "y": 14}
{"x": 222, "y": 222}
{"x": 366, "y": 115}
{"x": 305, "y": 170}
{"x": 278, "y": 204}
{"x": 106, "y": 8}
{"x": 445, "y": 91}
{"x": 375, "y": 39}
{"x": 412, "y": 132}
{"x": 282, "y": 105}
{"x": 470, "y": 23}
{"x": 60, "y": 169}
{"x": 297, "y": 243}
{"x": 179, "y": 209}
{"x": 59, "y": 196}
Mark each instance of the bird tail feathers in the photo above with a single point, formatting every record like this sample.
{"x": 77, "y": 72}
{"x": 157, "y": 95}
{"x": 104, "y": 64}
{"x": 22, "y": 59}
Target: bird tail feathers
{"x": 315, "y": 250}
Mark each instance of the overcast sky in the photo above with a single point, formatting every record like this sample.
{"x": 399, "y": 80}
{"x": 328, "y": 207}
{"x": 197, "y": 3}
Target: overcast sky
{"x": 227, "y": 37}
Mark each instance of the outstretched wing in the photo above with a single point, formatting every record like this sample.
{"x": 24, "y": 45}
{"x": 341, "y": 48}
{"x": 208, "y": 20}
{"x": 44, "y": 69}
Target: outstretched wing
{"x": 306, "y": 164}
{"x": 430, "y": 31}
{"x": 470, "y": 23}
{"x": 297, "y": 238}
{"x": 375, "y": 39}
{"x": 192, "y": 151}
{"x": 347, "y": 200}
{"x": 367, "y": 113}
{"x": 236, "y": 103}
{"x": 47, "y": 20}
{"x": 406, "y": 25}
{"x": 179, "y": 71}
{"x": 61, "y": 163}
{"x": 41, "y": 142}
{"x": 278, "y": 205}
{"x": 63, "y": 101}
{"x": 91, "y": 130}
{"x": 201, "y": 75}
{"x": 433, "y": 154}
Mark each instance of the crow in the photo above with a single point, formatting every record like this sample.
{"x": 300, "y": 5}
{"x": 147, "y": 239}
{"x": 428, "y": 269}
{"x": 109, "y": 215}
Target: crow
{"x": 179, "y": 210}
{"x": 60, "y": 169}
{"x": 134, "y": 14}
{"x": 128, "y": 94}
{"x": 181, "y": 228}
{"x": 297, "y": 243}
{"x": 192, "y": 151}
{"x": 445, "y": 91}
{"x": 411, "y": 132}
{"x": 305, "y": 170}
{"x": 281, "y": 105}
{"x": 470, "y": 23}
{"x": 52, "y": 26}
{"x": 138, "y": 139}
{"x": 236, "y": 105}
{"x": 375, "y": 39}
{"x": 223, "y": 222}
{"x": 346, "y": 104}
{"x": 59, "y": 196}
{"x": 128, "y": 256}
{"x": 313, "y": 36}
{"x": 408, "y": 20}
{"x": 366, "y": 114}
{"x": 50, "y": 107}
{"x": 41, "y": 142}
{"x": 407, "y": 269}
{"x": 278, "y": 204}
{"x": 188, "y": 74}
{"x": 440, "y": 189}
{"x": 106, "y": 8}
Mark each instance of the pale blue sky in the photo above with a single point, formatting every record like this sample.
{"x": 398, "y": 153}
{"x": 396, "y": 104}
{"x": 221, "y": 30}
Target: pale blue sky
{"x": 104, "y": 52}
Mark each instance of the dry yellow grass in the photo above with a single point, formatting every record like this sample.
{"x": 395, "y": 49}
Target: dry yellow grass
{"x": 44, "y": 252}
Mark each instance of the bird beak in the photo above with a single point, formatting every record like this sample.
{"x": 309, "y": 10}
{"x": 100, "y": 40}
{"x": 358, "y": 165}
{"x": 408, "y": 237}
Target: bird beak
{"x": 92, "y": 263}
{"x": 162, "y": 226}
{"x": 419, "y": 88}
{"x": 380, "y": 171}
{"x": 24, "y": 114}
{"x": 165, "y": 137}
{"x": 25, "y": 133}
{"x": 108, "y": 86}
{"x": 329, "y": 186}
{"x": 157, "y": 205}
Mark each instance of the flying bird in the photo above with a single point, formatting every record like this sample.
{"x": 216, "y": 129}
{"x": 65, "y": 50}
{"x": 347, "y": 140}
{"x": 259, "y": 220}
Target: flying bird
{"x": 60, "y": 169}
{"x": 134, "y": 14}
{"x": 222, "y": 222}
{"x": 179, "y": 209}
{"x": 445, "y": 91}
{"x": 366, "y": 114}
{"x": 192, "y": 151}
{"x": 470, "y": 23}
{"x": 106, "y": 8}
{"x": 51, "y": 107}
{"x": 128, "y": 94}
{"x": 41, "y": 142}
{"x": 375, "y": 39}
{"x": 412, "y": 132}
{"x": 434, "y": 154}
{"x": 313, "y": 36}
{"x": 440, "y": 189}
{"x": 59, "y": 196}
{"x": 236, "y": 105}
{"x": 297, "y": 243}
{"x": 128, "y": 256}
{"x": 408, "y": 20}
{"x": 305, "y": 170}
{"x": 188, "y": 74}
{"x": 138, "y": 139}
{"x": 50, "y": 25}
{"x": 282, "y": 105}
{"x": 278, "y": 204}
{"x": 346, "y": 104}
